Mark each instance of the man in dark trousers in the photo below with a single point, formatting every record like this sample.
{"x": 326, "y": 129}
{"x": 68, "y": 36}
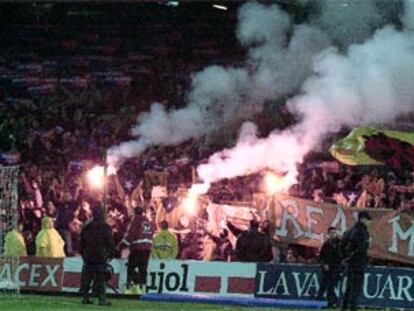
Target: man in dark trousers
{"x": 97, "y": 247}
{"x": 253, "y": 246}
{"x": 330, "y": 261}
{"x": 356, "y": 242}
{"x": 139, "y": 240}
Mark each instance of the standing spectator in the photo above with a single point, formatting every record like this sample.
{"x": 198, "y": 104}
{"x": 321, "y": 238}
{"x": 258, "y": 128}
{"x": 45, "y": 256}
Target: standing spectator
{"x": 253, "y": 246}
{"x": 372, "y": 187}
{"x": 224, "y": 249}
{"x": 48, "y": 241}
{"x": 165, "y": 244}
{"x": 66, "y": 208}
{"x": 356, "y": 242}
{"x": 14, "y": 244}
{"x": 330, "y": 261}
{"x": 139, "y": 239}
{"x": 97, "y": 247}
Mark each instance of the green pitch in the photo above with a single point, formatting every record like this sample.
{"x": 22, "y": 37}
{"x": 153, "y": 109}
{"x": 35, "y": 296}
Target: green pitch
{"x": 58, "y": 303}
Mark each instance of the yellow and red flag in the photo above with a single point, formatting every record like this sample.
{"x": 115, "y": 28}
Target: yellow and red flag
{"x": 371, "y": 146}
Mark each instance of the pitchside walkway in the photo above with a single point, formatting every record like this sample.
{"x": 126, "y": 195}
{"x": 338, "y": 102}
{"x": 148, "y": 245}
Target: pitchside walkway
{"x": 237, "y": 301}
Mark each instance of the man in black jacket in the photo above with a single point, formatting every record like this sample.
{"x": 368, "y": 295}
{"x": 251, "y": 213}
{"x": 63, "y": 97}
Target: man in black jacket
{"x": 330, "y": 261}
{"x": 356, "y": 243}
{"x": 253, "y": 246}
{"x": 97, "y": 247}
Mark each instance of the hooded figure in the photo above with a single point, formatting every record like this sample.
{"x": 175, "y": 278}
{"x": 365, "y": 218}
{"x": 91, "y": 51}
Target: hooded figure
{"x": 49, "y": 243}
{"x": 14, "y": 245}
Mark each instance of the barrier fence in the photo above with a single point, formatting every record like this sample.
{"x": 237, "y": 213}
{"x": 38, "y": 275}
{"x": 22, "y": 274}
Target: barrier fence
{"x": 383, "y": 287}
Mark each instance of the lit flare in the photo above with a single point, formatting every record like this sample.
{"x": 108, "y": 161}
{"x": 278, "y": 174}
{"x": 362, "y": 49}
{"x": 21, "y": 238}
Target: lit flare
{"x": 96, "y": 176}
{"x": 190, "y": 202}
{"x": 275, "y": 183}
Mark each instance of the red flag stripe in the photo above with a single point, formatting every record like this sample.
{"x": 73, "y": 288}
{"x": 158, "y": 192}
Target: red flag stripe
{"x": 73, "y": 280}
{"x": 208, "y": 284}
{"x": 238, "y": 285}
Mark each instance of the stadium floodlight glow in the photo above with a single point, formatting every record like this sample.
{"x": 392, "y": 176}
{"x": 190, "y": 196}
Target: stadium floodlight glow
{"x": 220, "y": 7}
{"x": 173, "y": 3}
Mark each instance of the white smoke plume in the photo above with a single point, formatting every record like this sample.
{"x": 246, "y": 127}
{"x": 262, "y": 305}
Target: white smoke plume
{"x": 366, "y": 79}
{"x": 279, "y": 59}
{"x": 368, "y": 84}
{"x": 348, "y": 21}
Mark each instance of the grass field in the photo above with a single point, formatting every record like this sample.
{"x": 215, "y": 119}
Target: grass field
{"x": 58, "y": 303}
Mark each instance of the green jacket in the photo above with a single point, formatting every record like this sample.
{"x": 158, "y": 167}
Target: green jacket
{"x": 164, "y": 245}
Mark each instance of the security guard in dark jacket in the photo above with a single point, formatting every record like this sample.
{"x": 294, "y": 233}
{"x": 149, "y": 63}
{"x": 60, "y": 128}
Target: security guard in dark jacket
{"x": 330, "y": 261}
{"x": 355, "y": 260}
{"x": 97, "y": 247}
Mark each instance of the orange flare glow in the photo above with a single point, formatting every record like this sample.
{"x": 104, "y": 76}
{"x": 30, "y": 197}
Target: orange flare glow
{"x": 96, "y": 177}
{"x": 274, "y": 183}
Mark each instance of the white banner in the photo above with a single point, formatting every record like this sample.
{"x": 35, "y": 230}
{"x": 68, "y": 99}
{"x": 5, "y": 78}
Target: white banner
{"x": 166, "y": 276}
{"x": 196, "y": 277}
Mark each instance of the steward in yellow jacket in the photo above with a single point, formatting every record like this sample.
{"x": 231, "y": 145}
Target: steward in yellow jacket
{"x": 14, "y": 245}
{"x": 49, "y": 243}
{"x": 164, "y": 244}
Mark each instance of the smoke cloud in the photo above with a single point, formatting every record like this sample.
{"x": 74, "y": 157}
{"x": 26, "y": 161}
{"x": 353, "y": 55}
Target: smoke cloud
{"x": 370, "y": 84}
{"x": 279, "y": 59}
{"x": 348, "y": 22}
{"x": 349, "y": 64}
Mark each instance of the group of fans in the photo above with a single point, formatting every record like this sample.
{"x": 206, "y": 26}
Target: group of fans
{"x": 345, "y": 255}
{"x": 70, "y": 99}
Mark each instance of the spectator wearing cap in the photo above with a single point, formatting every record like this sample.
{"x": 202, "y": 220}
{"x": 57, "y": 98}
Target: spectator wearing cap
{"x": 252, "y": 245}
{"x": 165, "y": 244}
{"x": 355, "y": 243}
{"x": 138, "y": 238}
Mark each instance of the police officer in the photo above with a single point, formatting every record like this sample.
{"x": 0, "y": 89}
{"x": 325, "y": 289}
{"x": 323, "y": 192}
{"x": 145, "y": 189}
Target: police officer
{"x": 356, "y": 242}
{"x": 330, "y": 261}
{"x": 165, "y": 244}
{"x": 96, "y": 247}
{"x": 252, "y": 245}
{"x": 139, "y": 239}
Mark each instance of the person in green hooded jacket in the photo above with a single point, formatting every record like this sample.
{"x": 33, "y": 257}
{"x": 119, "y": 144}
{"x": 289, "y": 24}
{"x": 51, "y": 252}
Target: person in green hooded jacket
{"x": 49, "y": 243}
{"x": 164, "y": 244}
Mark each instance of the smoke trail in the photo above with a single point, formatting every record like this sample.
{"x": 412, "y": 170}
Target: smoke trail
{"x": 279, "y": 152}
{"x": 280, "y": 55}
{"x": 370, "y": 84}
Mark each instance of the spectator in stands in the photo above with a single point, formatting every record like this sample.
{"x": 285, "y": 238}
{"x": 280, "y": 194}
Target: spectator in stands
{"x": 66, "y": 205}
{"x": 185, "y": 231}
{"x": 165, "y": 244}
{"x": 372, "y": 186}
{"x": 253, "y": 246}
{"x": 48, "y": 241}
{"x": 223, "y": 248}
{"x": 291, "y": 256}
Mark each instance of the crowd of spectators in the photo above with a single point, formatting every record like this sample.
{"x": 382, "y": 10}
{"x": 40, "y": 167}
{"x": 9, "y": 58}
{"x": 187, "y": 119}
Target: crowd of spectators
{"x": 76, "y": 93}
